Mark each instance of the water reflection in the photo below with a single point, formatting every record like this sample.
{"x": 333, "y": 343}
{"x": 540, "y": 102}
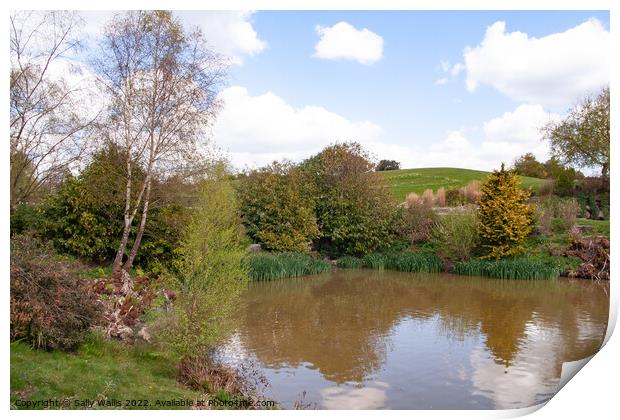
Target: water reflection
{"x": 370, "y": 339}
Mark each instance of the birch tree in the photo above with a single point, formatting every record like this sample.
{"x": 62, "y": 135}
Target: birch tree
{"x": 162, "y": 81}
{"x": 49, "y": 114}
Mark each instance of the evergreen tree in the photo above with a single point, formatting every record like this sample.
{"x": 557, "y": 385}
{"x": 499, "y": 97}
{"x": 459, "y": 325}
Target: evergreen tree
{"x": 504, "y": 217}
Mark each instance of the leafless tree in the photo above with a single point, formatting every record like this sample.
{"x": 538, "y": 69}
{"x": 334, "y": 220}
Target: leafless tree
{"x": 48, "y": 122}
{"x": 162, "y": 81}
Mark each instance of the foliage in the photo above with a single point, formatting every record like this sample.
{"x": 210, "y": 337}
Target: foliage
{"x": 353, "y": 206}
{"x": 79, "y": 223}
{"x": 509, "y": 268}
{"x": 277, "y": 208}
{"x": 582, "y": 137}
{"x": 24, "y": 217}
{"x": 211, "y": 274}
{"x": 527, "y": 165}
{"x": 387, "y": 165}
{"x": 455, "y": 236}
{"x": 563, "y": 177}
{"x": 349, "y": 262}
{"x": 265, "y": 266}
{"x": 504, "y": 217}
{"x": 419, "y": 220}
{"x": 454, "y": 198}
{"x": 403, "y": 261}
{"x": 85, "y": 217}
{"x": 51, "y": 307}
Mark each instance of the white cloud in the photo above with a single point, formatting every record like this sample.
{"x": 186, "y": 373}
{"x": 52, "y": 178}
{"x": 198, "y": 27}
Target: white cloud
{"x": 343, "y": 41}
{"x": 504, "y": 139}
{"x": 453, "y": 70}
{"x": 553, "y": 70}
{"x": 228, "y": 32}
{"x": 442, "y": 81}
{"x": 255, "y": 130}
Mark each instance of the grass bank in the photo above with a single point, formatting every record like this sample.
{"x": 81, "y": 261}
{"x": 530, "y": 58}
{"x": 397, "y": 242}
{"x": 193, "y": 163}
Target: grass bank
{"x": 101, "y": 370}
{"x": 405, "y": 181}
{"x": 266, "y": 266}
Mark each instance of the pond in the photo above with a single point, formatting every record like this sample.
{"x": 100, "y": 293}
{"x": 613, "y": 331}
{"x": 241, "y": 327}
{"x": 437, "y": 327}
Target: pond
{"x": 364, "y": 339}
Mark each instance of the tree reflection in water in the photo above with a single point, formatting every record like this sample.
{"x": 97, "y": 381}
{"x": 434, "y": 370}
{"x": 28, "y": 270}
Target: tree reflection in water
{"x": 344, "y": 325}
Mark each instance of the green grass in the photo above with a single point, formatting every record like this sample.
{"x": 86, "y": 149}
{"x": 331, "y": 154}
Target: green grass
{"x": 404, "y": 181}
{"x": 349, "y": 262}
{"x": 509, "y": 268}
{"x": 599, "y": 227}
{"x": 265, "y": 266}
{"x": 402, "y": 261}
{"x": 100, "y": 369}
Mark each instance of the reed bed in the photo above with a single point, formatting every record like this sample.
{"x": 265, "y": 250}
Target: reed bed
{"x": 349, "y": 262}
{"x": 263, "y": 266}
{"x": 510, "y": 268}
{"x": 402, "y": 261}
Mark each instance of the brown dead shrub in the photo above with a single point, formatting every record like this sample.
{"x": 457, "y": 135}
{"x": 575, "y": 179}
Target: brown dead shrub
{"x": 50, "y": 306}
{"x": 594, "y": 252}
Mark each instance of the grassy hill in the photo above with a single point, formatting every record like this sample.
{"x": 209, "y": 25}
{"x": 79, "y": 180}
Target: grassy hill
{"x": 417, "y": 180}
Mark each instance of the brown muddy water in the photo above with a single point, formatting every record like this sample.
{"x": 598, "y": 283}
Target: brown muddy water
{"x": 365, "y": 339}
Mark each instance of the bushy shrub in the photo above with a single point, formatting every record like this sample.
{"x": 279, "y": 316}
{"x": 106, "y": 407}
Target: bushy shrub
{"x": 419, "y": 220}
{"x": 51, "y": 307}
{"x": 455, "y": 198}
{"x": 211, "y": 274}
{"x": 265, "y": 266}
{"x": 527, "y": 165}
{"x": 277, "y": 208}
{"x": 24, "y": 217}
{"x": 455, "y": 236}
{"x": 85, "y": 217}
{"x": 504, "y": 217}
{"x": 354, "y": 207}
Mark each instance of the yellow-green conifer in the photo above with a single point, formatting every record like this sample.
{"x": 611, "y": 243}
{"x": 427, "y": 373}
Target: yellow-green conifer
{"x": 504, "y": 217}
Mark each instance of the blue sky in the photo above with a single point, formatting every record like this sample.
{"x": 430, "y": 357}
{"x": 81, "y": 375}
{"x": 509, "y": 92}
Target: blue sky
{"x": 282, "y": 100}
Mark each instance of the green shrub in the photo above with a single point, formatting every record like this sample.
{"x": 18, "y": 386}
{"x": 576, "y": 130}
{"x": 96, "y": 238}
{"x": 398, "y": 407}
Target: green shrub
{"x": 85, "y": 217}
{"x": 265, "y": 266}
{"x": 23, "y": 217}
{"x": 51, "y": 307}
{"x": 509, "y": 268}
{"x": 455, "y": 236}
{"x": 353, "y": 205}
{"x": 277, "y": 208}
{"x": 211, "y": 275}
{"x": 504, "y": 217}
{"x": 349, "y": 262}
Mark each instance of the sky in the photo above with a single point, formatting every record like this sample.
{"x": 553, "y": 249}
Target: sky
{"x": 467, "y": 89}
